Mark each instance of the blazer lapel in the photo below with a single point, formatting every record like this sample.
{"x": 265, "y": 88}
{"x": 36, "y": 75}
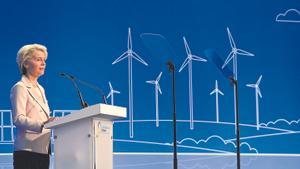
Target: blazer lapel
{"x": 43, "y": 105}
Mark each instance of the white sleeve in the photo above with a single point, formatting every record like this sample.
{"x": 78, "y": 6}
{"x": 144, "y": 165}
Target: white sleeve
{"x": 18, "y": 98}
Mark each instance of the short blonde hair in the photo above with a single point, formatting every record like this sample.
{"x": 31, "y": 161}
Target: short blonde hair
{"x": 26, "y": 52}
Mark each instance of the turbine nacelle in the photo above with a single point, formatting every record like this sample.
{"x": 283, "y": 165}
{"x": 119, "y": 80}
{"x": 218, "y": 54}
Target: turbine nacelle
{"x": 112, "y": 91}
{"x": 216, "y": 90}
{"x": 256, "y": 86}
{"x": 130, "y": 53}
{"x": 156, "y": 82}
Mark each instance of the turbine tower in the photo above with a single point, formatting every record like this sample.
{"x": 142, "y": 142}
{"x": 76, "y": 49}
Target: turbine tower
{"x": 257, "y": 93}
{"x": 111, "y": 93}
{"x": 188, "y": 61}
{"x": 130, "y": 54}
{"x": 233, "y": 56}
{"x": 217, "y": 92}
{"x": 157, "y": 89}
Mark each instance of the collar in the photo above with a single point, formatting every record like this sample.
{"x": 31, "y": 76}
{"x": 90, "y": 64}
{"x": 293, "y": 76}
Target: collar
{"x": 27, "y": 82}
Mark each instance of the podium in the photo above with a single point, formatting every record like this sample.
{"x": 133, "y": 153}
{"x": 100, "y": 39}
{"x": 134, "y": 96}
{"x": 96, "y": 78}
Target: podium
{"x": 83, "y": 139}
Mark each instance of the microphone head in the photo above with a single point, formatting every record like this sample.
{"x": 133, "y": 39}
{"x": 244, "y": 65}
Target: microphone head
{"x": 67, "y": 75}
{"x": 218, "y": 61}
{"x": 159, "y": 47}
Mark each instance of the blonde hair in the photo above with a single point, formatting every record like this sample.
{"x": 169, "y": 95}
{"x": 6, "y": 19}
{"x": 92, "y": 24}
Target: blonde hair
{"x": 26, "y": 52}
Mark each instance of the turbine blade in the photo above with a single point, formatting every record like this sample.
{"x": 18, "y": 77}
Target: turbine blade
{"x": 110, "y": 86}
{"x": 150, "y": 81}
{"x": 197, "y": 58}
{"x": 138, "y": 58}
{"x": 221, "y": 92}
{"x": 243, "y": 52}
{"x": 159, "y": 76}
{"x": 186, "y": 61}
{"x": 120, "y": 58}
{"x": 187, "y": 48}
{"x": 228, "y": 59}
{"x": 251, "y": 85}
{"x": 232, "y": 43}
{"x": 129, "y": 41}
{"x": 212, "y": 92}
{"x": 116, "y": 91}
{"x": 109, "y": 94}
{"x": 259, "y": 79}
{"x": 258, "y": 91}
{"x": 158, "y": 87}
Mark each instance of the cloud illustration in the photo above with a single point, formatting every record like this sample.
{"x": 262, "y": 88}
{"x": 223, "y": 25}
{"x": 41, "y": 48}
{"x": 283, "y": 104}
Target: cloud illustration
{"x": 291, "y": 15}
{"x": 283, "y": 124}
{"x": 216, "y": 142}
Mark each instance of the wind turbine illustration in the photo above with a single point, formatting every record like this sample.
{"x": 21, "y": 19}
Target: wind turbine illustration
{"x": 257, "y": 93}
{"x": 233, "y": 56}
{"x": 111, "y": 93}
{"x": 217, "y": 92}
{"x": 157, "y": 89}
{"x": 130, "y": 54}
{"x": 188, "y": 61}
{"x": 234, "y": 53}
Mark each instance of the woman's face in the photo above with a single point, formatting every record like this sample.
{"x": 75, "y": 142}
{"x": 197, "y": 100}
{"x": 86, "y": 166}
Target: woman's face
{"x": 36, "y": 65}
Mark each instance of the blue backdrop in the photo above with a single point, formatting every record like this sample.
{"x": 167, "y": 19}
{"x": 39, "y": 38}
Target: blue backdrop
{"x": 84, "y": 38}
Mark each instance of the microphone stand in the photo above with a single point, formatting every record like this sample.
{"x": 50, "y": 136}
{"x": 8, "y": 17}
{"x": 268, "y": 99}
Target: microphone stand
{"x": 82, "y": 102}
{"x": 217, "y": 60}
{"x": 171, "y": 68}
{"x": 238, "y": 151}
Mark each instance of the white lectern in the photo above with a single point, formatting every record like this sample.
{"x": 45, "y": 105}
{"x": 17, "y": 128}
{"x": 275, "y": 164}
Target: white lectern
{"x": 83, "y": 139}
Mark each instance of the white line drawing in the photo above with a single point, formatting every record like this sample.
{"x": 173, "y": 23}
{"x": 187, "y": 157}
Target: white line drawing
{"x": 171, "y": 144}
{"x": 111, "y": 93}
{"x": 225, "y": 142}
{"x": 284, "y": 17}
{"x": 8, "y": 138}
{"x": 9, "y": 126}
{"x": 60, "y": 113}
{"x": 267, "y": 135}
{"x": 130, "y": 54}
{"x": 217, "y": 92}
{"x": 234, "y": 53}
{"x": 188, "y": 61}
{"x": 233, "y": 56}
{"x": 280, "y": 120}
{"x": 218, "y": 137}
{"x": 257, "y": 93}
{"x": 157, "y": 89}
{"x": 209, "y": 122}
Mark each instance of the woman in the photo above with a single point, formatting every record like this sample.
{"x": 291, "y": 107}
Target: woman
{"x": 30, "y": 110}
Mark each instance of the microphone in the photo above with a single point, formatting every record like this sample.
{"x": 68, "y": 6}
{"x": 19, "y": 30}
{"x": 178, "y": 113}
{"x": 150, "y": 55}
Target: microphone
{"x": 170, "y": 65}
{"x": 218, "y": 61}
{"x": 99, "y": 90}
{"x": 72, "y": 78}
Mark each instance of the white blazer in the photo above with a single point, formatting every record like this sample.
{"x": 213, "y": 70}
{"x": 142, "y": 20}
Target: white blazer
{"x": 29, "y": 111}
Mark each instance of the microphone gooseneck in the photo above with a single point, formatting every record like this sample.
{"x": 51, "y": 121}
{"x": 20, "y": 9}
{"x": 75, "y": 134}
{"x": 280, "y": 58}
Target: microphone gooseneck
{"x": 72, "y": 78}
{"x": 99, "y": 90}
{"x": 95, "y": 88}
